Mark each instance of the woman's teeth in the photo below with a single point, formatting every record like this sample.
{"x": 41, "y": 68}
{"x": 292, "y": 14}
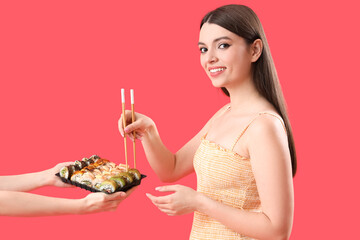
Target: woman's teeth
{"x": 217, "y": 70}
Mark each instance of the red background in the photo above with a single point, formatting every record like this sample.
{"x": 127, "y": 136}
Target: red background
{"x": 63, "y": 63}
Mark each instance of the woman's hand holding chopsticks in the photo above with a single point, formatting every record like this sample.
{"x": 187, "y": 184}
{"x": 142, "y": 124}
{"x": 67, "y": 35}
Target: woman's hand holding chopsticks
{"x": 141, "y": 125}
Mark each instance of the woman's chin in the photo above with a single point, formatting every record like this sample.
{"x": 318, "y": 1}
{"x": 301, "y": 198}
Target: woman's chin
{"x": 217, "y": 84}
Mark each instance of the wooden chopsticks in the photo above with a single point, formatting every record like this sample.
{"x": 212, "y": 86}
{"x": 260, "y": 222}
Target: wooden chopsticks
{"x": 133, "y": 120}
{"x": 124, "y": 124}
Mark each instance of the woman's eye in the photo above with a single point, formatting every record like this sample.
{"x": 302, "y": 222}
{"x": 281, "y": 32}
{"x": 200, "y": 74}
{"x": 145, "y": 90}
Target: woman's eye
{"x": 224, "y": 45}
{"x": 203, "y": 50}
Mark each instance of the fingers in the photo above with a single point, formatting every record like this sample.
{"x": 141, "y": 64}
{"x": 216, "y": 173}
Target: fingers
{"x": 99, "y": 202}
{"x": 128, "y": 120}
{"x": 159, "y": 200}
{"x": 112, "y": 201}
{"x": 50, "y": 174}
{"x": 118, "y": 195}
{"x": 120, "y": 126}
{"x": 109, "y": 206}
{"x": 131, "y": 127}
{"x": 137, "y": 136}
{"x": 163, "y": 199}
{"x": 177, "y": 203}
{"x": 135, "y": 126}
{"x": 63, "y": 164}
{"x": 115, "y": 196}
{"x": 66, "y": 185}
{"x": 163, "y": 204}
{"x": 167, "y": 211}
{"x": 168, "y": 188}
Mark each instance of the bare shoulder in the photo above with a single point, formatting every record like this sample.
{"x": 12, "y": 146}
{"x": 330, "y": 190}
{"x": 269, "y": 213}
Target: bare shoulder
{"x": 267, "y": 135}
{"x": 268, "y": 125}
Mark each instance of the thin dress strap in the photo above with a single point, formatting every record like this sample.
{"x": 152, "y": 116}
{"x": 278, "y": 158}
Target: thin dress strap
{"x": 247, "y": 126}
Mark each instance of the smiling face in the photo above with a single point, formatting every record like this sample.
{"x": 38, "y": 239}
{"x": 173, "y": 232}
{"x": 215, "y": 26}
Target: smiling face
{"x": 225, "y": 56}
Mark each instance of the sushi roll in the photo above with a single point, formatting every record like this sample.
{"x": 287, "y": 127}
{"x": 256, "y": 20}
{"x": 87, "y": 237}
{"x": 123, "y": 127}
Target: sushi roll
{"x": 74, "y": 167}
{"x": 120, "y": 181}
{"x": 116, "y": 171}
{"x": 129, "y": 179}
{"x": 107, "y": 175}
{"x": 105, "y": 168}
{"x": 97, "y": 181}
{"x": 108, "y": 186}
{"x": 64, "y": 172}
{"x": 88, "y": 161}
{"x": 121, "y": 167}
{"x": 94, "y": 158}
{"x": 135, "y": 173}
{"x": 96, "y": 171}
{"x": 111, "y": 165}
{"x": 67, "y": 171}
{"x": 101, "y": 161}
{"x": 80, "y": 164}
{"x": 87, "y": 179}
{"x": 98, "y": 163}
{"x": 76, "y": 176}
{"x": 90, "y": 168}
{"x": 86, "y": 182}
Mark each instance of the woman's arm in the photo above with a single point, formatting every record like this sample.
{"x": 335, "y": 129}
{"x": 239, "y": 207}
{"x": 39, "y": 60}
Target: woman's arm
{"x": 271, "y": 165}
{"x": 30, "y": 181}
{"x": 32, "y": 205}
{"x": 168, "y": 167}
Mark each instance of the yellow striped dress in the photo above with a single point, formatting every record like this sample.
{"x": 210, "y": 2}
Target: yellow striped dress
{"x": 227, "y": 177}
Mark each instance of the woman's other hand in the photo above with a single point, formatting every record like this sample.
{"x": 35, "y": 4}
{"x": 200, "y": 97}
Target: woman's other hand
{"x": 182, "y": 201}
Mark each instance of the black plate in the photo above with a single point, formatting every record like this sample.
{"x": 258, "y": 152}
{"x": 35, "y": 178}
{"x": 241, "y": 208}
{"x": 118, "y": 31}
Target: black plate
{"x": 83, "y": 186}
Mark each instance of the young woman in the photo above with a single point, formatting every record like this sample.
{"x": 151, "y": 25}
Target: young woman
{"x": 244, "y": 157}
{"x": 15, "y": 202}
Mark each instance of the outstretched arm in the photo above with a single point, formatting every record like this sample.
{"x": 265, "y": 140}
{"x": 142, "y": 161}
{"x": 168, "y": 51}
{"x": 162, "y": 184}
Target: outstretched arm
{"x": 31, "y": 205}
{"x": 30, "y": 181}
{"x": 14, "y": 202}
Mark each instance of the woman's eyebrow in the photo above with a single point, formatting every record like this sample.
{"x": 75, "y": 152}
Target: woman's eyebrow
{"x": 216, "y": 40}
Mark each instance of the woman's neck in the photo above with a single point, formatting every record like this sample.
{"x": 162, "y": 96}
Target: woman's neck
{"x": 244, "y": 97}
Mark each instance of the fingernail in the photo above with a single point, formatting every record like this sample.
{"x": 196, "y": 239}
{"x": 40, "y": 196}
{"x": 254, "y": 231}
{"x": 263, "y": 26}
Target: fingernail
{"x": 147, "y": 194}
{"x": 126, "y": 130}
{"x": 157, "y": 188}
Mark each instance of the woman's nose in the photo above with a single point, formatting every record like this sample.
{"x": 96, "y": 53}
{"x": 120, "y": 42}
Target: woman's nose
{"x": 211, "y": 57}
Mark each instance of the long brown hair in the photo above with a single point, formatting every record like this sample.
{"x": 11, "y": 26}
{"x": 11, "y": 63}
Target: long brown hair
{"x": 243, "y": 21}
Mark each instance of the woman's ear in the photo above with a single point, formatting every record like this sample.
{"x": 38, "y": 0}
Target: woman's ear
{"x": 256, "y": 50}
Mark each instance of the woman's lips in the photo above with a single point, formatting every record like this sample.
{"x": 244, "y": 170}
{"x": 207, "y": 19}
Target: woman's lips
{"x": 216, "y": 71}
